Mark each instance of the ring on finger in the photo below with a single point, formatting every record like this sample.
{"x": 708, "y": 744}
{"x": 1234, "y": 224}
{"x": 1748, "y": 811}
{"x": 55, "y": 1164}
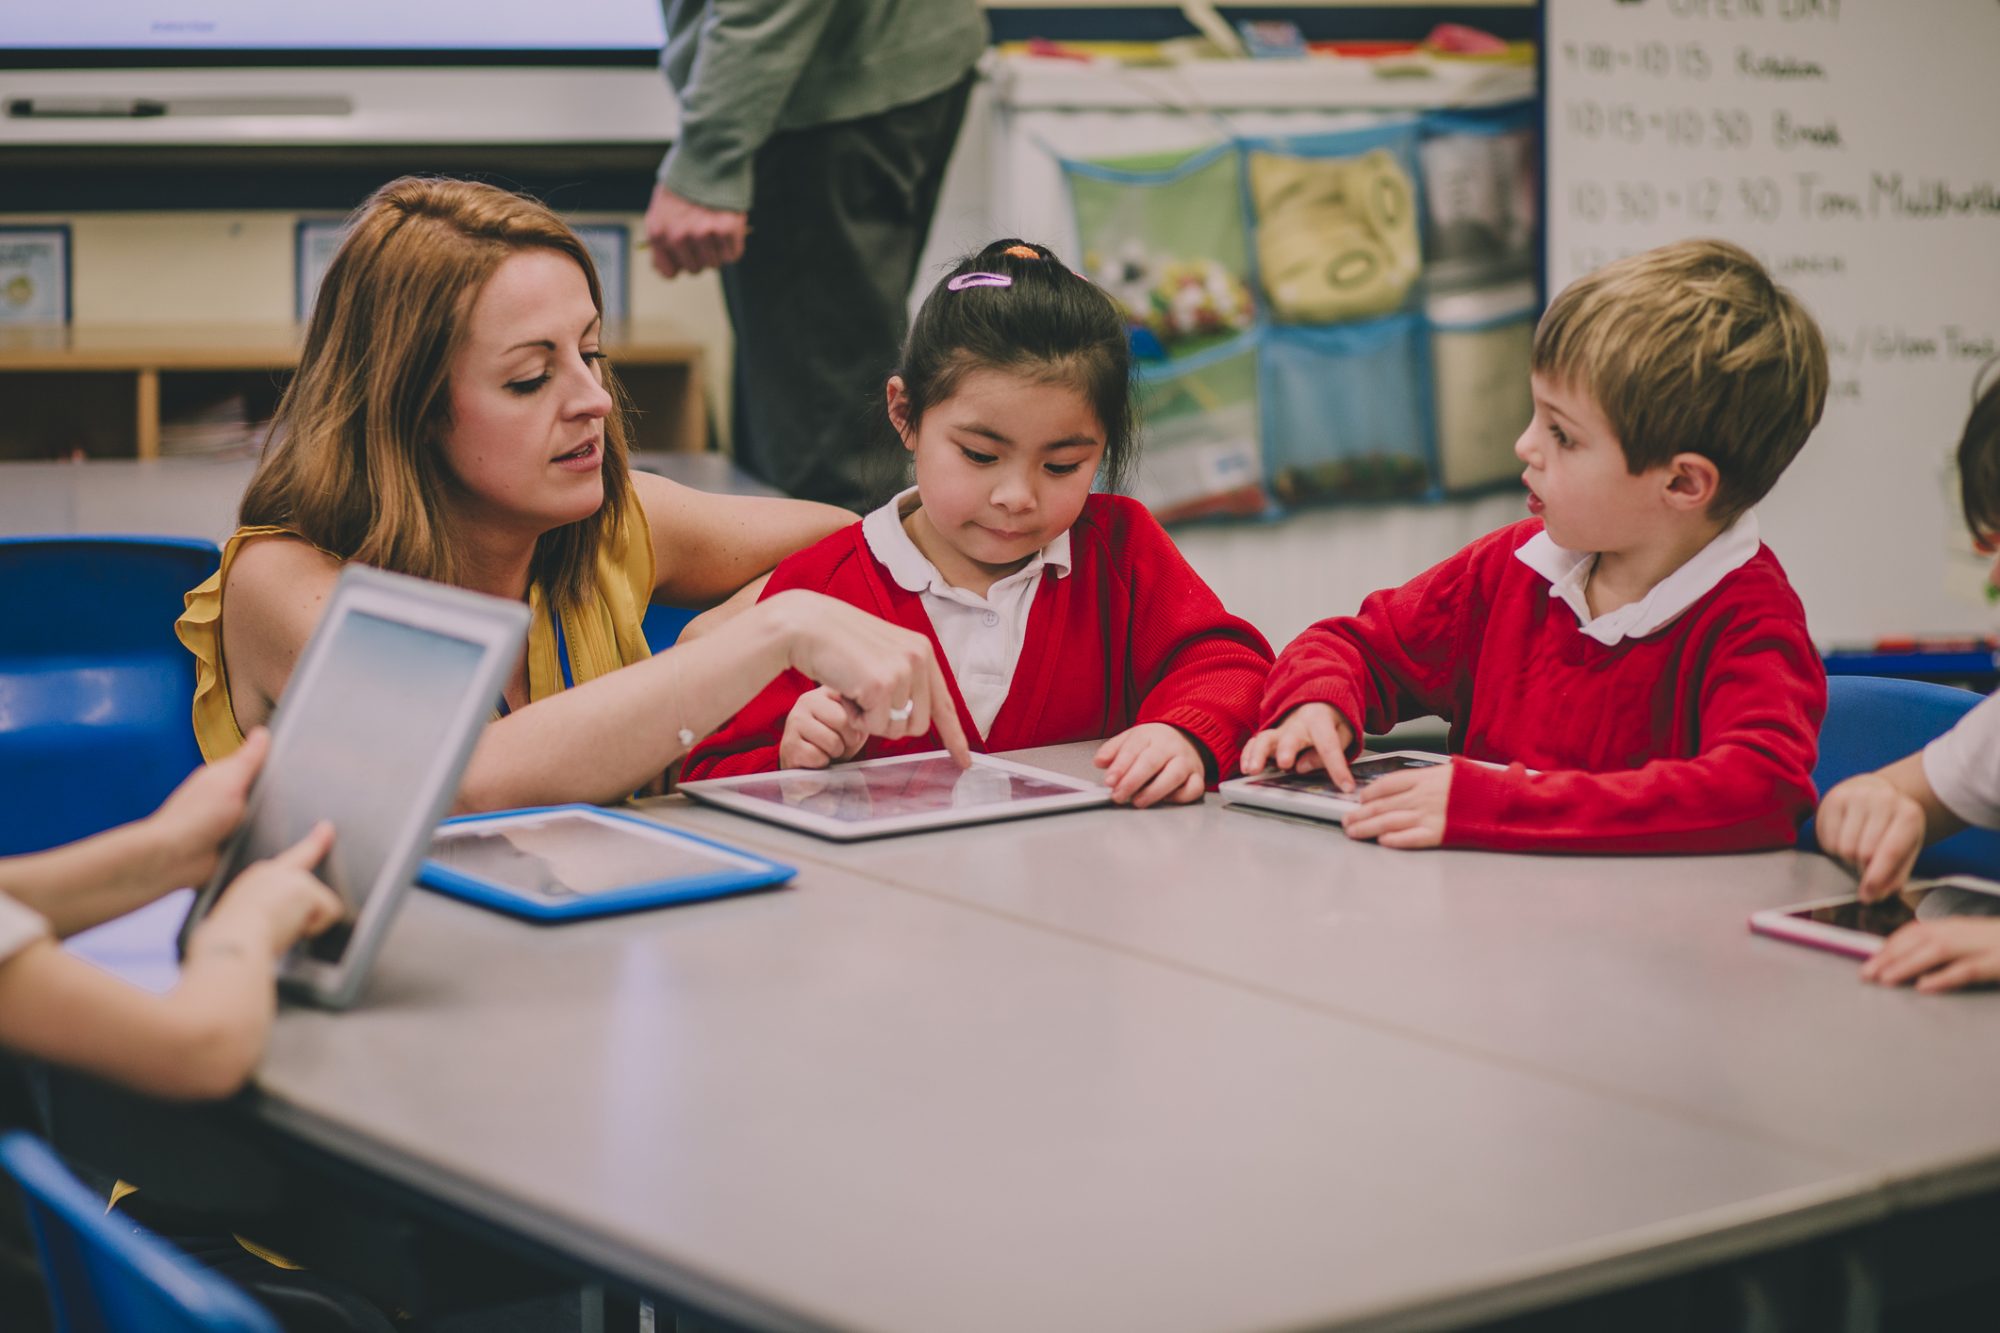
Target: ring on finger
{"x": 902, "y": 714}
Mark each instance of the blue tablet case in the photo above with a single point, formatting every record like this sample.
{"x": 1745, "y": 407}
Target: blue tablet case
{"x": 720, "y": 882}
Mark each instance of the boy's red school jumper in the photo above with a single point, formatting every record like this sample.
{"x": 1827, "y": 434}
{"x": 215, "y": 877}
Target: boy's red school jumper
{"x": 1698, "y": 737}
{"x": 1131, "y": 635}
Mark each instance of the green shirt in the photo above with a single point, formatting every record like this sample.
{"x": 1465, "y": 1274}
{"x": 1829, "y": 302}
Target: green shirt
{"x": 747, "y": 69}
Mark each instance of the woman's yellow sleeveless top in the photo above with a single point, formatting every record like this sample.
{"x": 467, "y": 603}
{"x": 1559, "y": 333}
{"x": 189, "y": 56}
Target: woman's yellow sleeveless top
{"x": 604, "y": 633}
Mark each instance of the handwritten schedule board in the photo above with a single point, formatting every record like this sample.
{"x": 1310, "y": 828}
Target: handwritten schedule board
{"x": 1854, "y": 146}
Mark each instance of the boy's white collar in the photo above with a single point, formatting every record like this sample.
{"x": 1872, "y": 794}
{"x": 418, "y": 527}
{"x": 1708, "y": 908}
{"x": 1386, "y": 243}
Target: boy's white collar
{"x": 1567, "y": 572}
{"x": 886, "y": 537}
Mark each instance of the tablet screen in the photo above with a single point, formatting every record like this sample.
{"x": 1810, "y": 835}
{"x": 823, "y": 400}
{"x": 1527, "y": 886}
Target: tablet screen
{"x": 1365, "y": 771}
{"x": 333, "y": 765}
{"x": 1920, "y": 901}
{"x": 884, "y": 791}
{"x": 565, "y": 855}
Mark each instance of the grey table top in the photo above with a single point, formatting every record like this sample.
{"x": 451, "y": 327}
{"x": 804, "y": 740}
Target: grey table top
{"x": 1187, "y": 1069}
{"x": 1632, "y": 975}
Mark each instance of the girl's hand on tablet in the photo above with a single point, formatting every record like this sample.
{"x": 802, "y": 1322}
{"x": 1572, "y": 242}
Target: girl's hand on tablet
{"x": 1150, "y": 763}
{"x": 273, "y": 904}
{"x": 1875, "y": 829}
{"x": 819, "y": 731}
{"x": 1939, "y": 955}
{"x": 197, "y": 818}
{"x": 1309, "y": 738}
{"x": 1404, "y": 809}
{"x": 887, "y": 675}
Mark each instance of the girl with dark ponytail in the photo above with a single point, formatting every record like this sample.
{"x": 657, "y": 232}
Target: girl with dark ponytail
{"x": 1062, "y": 612}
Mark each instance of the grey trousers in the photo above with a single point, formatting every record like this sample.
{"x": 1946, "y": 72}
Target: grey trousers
{"x": 838, "y": 220}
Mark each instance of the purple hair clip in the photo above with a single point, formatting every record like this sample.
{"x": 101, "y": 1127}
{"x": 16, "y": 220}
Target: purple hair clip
{"x": 964, "y": 280}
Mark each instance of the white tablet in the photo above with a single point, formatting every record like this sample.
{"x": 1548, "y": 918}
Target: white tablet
{"x": 1846, "y": 925}
{"x": 905, "y": 794}
{"x": 372, "y": 734}
{"x": 1313, "y": 794}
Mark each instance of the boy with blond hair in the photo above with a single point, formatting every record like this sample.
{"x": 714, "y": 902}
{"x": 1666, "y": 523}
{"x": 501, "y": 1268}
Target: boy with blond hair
{"x": 1631, "y": 657}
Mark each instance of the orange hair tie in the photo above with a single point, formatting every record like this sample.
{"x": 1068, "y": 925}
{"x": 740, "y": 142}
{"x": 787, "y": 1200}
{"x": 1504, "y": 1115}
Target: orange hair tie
{"x": 1022, "y": 252}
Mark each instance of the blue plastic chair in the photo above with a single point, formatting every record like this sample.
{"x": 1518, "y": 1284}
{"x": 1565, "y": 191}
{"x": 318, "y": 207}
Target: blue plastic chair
{"x": 106, "y": 1274}
{"x": 1872, "y": 721}
{"x": 96, "y": 694}
{"x": 663, "y": 625}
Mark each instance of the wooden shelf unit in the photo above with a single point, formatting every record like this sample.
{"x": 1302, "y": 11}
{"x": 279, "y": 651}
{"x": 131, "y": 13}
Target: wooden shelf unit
{"x": 96, "y": 388}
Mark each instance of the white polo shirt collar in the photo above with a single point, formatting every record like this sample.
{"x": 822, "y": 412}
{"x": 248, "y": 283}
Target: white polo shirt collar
{"x": 1568, "y": 571}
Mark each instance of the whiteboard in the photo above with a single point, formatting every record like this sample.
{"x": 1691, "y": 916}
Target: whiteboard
{"x": 437, "y": 25}
{"x": 1853, "y": 146}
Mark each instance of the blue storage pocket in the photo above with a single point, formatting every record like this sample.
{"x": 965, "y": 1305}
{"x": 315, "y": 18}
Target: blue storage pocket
{"x": 1482, "y": 193}
{"x": 1347, "y": 411}
{"x": 1198, "y": 427}
{"x": 1163, "y": 233}
{"x": 1336, "y": 223}
{"x": 1481, "y": 343}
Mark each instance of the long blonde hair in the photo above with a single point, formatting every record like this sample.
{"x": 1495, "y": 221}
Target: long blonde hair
{"x": 356, "y": 463}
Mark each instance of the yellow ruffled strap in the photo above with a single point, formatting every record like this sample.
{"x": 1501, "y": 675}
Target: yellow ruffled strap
{"x": 607, "y": 632}
{"x": 200, "y": 631}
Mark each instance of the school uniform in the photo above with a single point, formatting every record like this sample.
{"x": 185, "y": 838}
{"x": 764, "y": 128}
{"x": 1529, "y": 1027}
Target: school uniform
{"x": 1687, "y": 721}
{"x": 1963, "y": 766}
{"x": 1105, "y": 628}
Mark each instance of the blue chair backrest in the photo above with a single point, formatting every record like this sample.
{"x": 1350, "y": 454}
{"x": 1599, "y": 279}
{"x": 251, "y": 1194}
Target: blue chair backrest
{"x": 107, "y": 1275}
{"x": 663, "y": 625}
{"x": 1872, "y": 721}
{"x": 96, "y": 694}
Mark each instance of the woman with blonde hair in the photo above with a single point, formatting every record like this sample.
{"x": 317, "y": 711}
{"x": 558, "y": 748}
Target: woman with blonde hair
{"x": 453, "y": 417}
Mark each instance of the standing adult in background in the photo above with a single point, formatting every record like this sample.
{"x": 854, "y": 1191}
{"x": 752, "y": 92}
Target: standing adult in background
{"x": 814, "y": 136}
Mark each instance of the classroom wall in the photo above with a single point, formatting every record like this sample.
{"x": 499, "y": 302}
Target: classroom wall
{"x": 237, "y": 267}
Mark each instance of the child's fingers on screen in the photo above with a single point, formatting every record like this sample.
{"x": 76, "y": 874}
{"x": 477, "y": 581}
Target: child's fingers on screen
{"x": 308, "y": 851}
{"x": 1963, "y": 972}
{"x": 1921, "y": 956}
{"x": 1886, "y": 865}
{"x": 323, "y": 907}
{"x": 1326, "y": 739}
{"x": 1393, "y": 784}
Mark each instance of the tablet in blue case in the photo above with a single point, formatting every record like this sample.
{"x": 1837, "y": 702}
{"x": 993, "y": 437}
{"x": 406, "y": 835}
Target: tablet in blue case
{"x": 563, "y": 862}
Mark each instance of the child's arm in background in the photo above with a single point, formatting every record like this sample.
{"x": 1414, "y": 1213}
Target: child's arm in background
{"x": 1763, "y": 694}
{"x": 120, "y": 870}
{"x": 1408, "y": 652}
{"x": 1199, "y": 670}
{"x": 1877, "y": 823}
{"x": 201, "y": 1039}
